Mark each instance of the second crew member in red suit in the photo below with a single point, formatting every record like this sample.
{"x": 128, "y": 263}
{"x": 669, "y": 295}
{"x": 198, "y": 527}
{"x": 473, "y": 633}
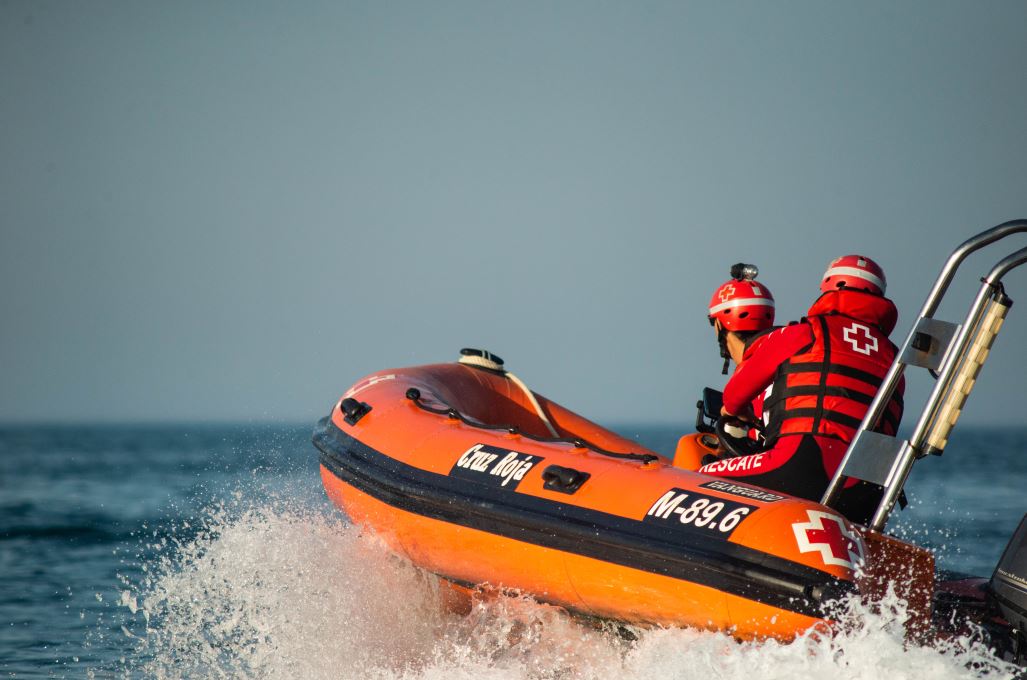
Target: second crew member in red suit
{"x": 741, "y": 312}
{"x": 817, "y": 378}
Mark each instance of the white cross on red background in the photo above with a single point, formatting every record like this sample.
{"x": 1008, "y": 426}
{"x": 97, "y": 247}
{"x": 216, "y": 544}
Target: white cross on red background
{"x": 726, "y": 292}
{"x": 828, "y": 535}
{"x": 851, "y": 335}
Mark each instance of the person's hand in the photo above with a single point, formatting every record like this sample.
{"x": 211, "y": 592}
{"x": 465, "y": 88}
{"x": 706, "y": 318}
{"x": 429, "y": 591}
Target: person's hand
{"x": 747, "y": 415}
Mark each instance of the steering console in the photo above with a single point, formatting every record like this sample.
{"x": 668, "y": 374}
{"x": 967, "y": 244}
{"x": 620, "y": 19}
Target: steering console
{"x": 735, "y": 446}
{"x": 710, "y": 420}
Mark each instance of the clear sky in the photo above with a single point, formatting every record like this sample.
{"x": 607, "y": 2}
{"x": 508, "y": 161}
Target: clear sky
{"x": 234, "y": 210}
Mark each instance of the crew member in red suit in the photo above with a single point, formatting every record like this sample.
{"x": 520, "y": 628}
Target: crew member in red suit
{"x": 741, "y": 312}
{"x": 818, "y": 378}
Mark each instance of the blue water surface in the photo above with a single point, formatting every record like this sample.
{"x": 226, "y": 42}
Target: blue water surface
{"x": 83, "y": 511}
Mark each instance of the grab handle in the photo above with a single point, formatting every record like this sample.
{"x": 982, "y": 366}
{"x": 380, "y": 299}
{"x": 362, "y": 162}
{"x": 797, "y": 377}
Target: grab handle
{"x": 563, "y": 479}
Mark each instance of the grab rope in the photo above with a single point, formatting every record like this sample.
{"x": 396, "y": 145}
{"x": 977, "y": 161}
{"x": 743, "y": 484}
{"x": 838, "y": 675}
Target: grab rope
{"x": 414, "y": 395}
{"x": 493, "y": 363}
{"x": 531, "y": 398}
{"x": 481, "y": 358}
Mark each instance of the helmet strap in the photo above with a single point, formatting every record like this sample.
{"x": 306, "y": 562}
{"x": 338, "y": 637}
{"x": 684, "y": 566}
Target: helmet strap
{"x": 722, "y": 341}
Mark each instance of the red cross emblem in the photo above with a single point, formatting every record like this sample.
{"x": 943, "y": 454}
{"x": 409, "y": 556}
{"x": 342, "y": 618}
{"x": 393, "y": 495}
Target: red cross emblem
{"x": 726, "y": 292}
{"x": 851, "y": 335}
{"x": 830, "y": 536}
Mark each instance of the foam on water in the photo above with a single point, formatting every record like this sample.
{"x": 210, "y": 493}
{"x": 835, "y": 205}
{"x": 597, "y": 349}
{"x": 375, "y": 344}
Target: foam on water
{"x": 270, "y": 590}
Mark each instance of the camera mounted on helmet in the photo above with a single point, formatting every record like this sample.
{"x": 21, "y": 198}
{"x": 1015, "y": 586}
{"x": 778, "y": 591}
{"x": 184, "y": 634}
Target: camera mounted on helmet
{"x": 741, "y": 271}
{"x": 741, "y": 306}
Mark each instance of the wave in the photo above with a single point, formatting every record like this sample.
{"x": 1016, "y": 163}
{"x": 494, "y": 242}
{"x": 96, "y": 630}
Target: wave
{"x": 270, "y": 590}
{"x": 62, "y": 533}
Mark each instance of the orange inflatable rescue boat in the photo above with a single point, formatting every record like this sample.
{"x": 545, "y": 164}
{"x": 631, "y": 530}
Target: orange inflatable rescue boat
{"x": 468, "y": 473}
{"x": 456, "y": 466}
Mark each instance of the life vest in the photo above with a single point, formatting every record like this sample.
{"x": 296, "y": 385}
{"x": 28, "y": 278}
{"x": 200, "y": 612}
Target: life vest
{"x": 826, "y": 388}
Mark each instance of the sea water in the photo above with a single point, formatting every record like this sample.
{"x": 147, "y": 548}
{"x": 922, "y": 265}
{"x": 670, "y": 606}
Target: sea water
{"x": 211, "y": 551}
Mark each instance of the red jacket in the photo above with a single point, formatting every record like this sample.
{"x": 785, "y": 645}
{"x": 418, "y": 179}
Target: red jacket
{"x": 750, "y": 348}
{"x": 822, "y": 371}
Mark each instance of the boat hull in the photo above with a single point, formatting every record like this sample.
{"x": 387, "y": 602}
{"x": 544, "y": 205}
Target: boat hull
{"x": 639, "y": 540}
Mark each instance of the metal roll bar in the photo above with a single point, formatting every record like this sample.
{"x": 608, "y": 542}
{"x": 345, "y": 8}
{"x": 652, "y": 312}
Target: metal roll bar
{"x": 954, "y": 351}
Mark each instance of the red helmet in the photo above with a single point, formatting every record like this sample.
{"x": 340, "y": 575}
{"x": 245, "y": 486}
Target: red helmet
{"x": 741, "y": 304}
{"x": 854, "y": 271}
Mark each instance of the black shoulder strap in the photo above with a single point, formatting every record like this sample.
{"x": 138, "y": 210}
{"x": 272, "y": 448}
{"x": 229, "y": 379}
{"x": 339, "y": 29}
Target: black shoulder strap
{"x": 825, "y": 333}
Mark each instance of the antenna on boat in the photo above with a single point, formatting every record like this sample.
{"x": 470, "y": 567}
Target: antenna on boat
{"x": 956, "y": 352}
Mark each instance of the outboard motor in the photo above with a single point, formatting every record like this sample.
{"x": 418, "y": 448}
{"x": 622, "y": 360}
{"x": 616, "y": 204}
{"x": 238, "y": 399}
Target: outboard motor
{"x": 1009, "y": 591}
